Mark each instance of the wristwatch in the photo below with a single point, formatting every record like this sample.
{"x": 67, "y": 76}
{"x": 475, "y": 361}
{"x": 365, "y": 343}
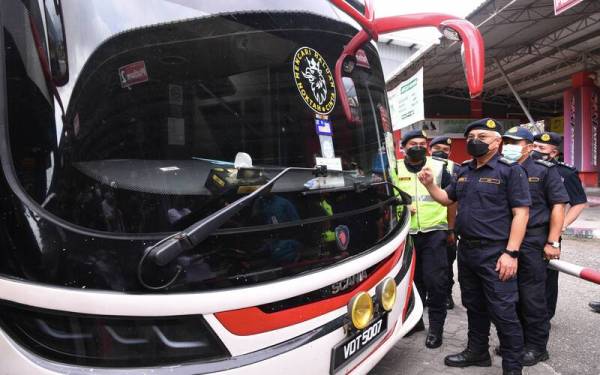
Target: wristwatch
{"x": 512, "y": 253}
{"x": 554, "y": 244}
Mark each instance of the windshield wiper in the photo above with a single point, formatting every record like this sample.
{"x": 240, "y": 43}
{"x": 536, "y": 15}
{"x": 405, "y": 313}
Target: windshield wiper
{"x": 170, "y": 247}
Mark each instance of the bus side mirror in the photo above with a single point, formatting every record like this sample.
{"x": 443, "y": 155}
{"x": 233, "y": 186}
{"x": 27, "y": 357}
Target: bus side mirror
{"x": 57, "y": 44}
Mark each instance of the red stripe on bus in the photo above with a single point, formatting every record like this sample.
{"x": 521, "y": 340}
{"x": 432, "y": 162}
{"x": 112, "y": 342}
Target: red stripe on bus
{"x": 410, "y": 286}
{"x": 252, "y": 320}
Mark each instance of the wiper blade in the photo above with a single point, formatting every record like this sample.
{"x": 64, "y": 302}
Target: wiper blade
{"x": 360, "y": 186}
{"x": 163, "y": 252}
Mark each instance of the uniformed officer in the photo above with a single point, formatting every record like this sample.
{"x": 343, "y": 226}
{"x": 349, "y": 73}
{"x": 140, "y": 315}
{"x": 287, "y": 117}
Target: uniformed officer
{"x": 441, "y": 147}
{"x": 428, "y": 228}
{"x": 546, "y": 147}
{"x": 493, "y": 208}
{"x": 546, "y": 217}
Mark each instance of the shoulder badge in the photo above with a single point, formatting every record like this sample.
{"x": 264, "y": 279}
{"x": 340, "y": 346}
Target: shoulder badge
{"x": 569, "y": 166}
{"x": 506, "y": 161}
{"x": 466, "y": 162}
{"x": 545, "y": 163}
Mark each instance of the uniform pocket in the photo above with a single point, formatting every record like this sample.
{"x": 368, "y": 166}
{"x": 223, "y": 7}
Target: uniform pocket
{"x": 487, "y": 195}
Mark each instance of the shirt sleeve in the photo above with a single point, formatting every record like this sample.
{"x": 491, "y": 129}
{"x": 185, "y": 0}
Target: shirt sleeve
{"x": 518, "y": 188}
{"x": 574, "y": 189}
{"x": 554, "y": 187}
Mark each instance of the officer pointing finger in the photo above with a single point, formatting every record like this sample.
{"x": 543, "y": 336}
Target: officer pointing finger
{"x": 493, "y": 209}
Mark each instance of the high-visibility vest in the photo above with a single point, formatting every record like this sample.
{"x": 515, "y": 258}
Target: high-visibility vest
{"x": 429, "y": 215}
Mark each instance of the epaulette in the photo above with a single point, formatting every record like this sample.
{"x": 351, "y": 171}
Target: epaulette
{"x": 567, "y": 165}
{"x": 445, "y": 161}
{"x": 466, "y": 162}
{"x": 506, "y": 161}
{"x": 545, "y": 163}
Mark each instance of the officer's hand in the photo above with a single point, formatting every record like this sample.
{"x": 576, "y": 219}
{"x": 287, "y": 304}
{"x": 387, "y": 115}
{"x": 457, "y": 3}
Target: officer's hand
{"x": 506, "y": 267}
{"x": 551, "y": 252}
{"x": 451, "y": 239}
{"x": 413, "y": 209}
{"x": 426, "y": 176}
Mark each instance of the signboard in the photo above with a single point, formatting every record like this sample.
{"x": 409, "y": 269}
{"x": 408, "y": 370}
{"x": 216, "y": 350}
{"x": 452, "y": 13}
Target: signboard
{"x": 557, "y": 124}
{"x": 406, "y": 102}
{"x": 562, "y": 5}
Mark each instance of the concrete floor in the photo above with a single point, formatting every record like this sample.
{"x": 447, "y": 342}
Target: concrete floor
{"x": 574, "y": 340}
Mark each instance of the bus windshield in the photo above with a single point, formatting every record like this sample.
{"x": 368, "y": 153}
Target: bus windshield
{"x": 169, "y": 123}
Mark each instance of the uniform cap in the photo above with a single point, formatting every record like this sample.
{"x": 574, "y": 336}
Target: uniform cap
{"x": 442, "y": 139}
{"x": 485, "y": 123}
{"x": 412, "y": 134}
{"x": 519, "y": 132}
{"x": 548, "y": 138}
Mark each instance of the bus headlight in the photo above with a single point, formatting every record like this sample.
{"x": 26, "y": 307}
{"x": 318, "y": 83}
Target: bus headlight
{"x": 360, "y": 308}
{"x": 386, "y": 293}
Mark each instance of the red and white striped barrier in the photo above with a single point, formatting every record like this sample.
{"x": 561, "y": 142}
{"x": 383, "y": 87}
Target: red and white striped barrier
{"x": 575, "y": 270}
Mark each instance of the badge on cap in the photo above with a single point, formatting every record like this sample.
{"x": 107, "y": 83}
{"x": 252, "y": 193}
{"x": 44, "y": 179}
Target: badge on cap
{"x": 490, "y": 124}
{"x": 545, "y": 137}
{"x": 513, "y": 130}
{"x": 423, "y": 134}
{"x": 449, "y": 141}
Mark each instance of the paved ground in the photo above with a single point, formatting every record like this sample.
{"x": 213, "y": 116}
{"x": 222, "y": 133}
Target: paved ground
{"x": 574, "y": 347}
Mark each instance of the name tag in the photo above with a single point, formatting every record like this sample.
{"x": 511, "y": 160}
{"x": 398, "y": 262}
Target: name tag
{"x": 462, "y": 179}
{"x": 534, "y": 179}
{"x": 404, "y": 178}
{"x": 488, "y": 180}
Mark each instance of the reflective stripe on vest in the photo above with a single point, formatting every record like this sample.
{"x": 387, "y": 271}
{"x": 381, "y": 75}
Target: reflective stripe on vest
{"x": 430, "y": 215}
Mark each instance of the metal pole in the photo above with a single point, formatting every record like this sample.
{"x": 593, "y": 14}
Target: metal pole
{"x": 584, "y": 273}
{"x": 515, "y": 93}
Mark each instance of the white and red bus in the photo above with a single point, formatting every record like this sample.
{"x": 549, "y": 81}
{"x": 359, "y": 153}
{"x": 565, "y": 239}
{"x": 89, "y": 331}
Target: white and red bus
{"x": 193, "y": 186}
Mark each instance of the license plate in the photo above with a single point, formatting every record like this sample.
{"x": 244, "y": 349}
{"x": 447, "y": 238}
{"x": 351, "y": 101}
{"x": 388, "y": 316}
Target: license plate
{"x": 357, "y": 342}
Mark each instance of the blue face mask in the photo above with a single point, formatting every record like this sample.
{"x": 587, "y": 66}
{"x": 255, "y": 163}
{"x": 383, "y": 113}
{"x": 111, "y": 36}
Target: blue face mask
{"x": 512, "y": 152}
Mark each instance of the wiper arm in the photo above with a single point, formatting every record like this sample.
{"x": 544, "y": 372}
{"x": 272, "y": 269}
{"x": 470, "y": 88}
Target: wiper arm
{"x": 360, "y": 186}
{"x": 169, "y": 248}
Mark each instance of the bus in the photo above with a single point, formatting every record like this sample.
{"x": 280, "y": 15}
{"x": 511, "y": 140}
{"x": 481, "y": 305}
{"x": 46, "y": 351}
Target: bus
{"x": 193, "y": 187}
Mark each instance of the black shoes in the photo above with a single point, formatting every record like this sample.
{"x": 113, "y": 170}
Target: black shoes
{"x": 433, "y": 340}
{"x": 531, "y": 357}
{"x": 512, "y": 372}
{"x": 595, "y": 306}
{"x": 469, "y": 358}
{"x": 420, "y": 326}
{"x": 449, "y": 303}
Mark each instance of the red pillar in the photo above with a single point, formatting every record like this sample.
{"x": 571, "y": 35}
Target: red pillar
{"x": 581, "y": 131}
{"x": 476, "y": 108}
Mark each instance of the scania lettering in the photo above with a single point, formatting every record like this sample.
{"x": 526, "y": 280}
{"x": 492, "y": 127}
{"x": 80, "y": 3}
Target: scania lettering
{"x": 192, "y": 187}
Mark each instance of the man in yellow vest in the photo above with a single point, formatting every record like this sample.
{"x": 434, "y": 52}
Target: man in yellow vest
{"x": 427, "y": 228}
{"x": 441, "y": 147}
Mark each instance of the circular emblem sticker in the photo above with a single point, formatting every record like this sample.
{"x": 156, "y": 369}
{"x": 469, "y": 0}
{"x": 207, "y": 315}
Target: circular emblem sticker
{"x": 314, "y": 80}
{"x": 490, "y": 124}
{"x": 545, "y": 137}
{"x": 342, "y": 237}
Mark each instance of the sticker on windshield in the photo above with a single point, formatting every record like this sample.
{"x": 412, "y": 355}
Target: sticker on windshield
{"x": 133, "y": 73}
{"x": 314, "y": 80}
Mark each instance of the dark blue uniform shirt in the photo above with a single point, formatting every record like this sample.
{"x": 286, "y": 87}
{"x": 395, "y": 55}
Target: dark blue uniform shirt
{"x": 572, "y": 183}
{"x": 546, "y": 189}
{"x": 486, "y": 197}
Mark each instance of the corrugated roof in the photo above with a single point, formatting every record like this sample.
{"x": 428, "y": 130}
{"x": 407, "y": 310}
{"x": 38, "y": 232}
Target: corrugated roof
{"x": 538, "y": 50}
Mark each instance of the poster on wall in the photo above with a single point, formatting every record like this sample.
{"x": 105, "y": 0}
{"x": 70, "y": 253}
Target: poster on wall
{"x": 406, "y": 102}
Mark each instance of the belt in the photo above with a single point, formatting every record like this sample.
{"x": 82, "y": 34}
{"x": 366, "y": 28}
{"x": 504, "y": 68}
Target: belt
{"x": 537, "y": 230}
{"x": 477, "y": 242}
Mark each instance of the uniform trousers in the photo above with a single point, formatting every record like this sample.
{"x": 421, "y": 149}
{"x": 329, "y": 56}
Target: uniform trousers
{"x": 487, "y": 299}
{"x": 431, "y": 275}
{"x": 532, "y": 297}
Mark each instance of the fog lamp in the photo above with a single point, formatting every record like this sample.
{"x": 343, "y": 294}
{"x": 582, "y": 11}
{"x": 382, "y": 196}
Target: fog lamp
{"x": 361, "y": 310}
{"x": 386, "y": 293}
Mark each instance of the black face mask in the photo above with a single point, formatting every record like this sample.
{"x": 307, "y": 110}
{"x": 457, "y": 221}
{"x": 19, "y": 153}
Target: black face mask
{"x": 416, "y": 153}
{"x": 536, "y": 155}
{"x": 477, "y": 148}
{"x": 440, "y": 154}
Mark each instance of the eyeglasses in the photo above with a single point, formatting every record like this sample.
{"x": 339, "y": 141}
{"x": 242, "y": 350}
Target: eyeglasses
{"x": 481, "y": 137}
